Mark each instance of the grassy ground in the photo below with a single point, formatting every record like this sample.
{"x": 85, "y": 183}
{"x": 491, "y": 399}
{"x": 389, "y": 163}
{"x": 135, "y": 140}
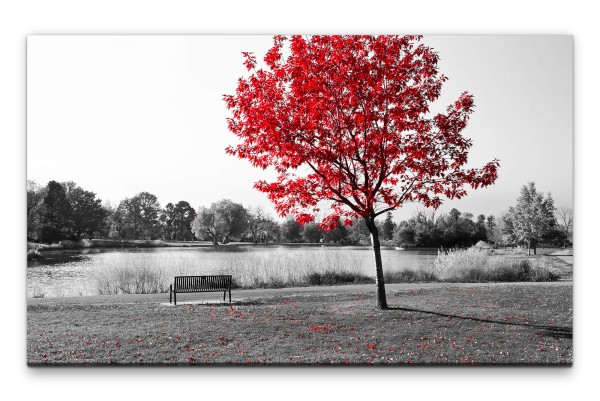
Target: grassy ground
{"x": 462, "y": 324}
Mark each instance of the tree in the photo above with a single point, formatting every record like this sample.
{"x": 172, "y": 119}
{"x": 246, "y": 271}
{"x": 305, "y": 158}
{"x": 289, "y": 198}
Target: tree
{"x": 337, "y": 235}
{"x": 222, "y": 221}
{"x": 405, "y": 235}
{"x": 138, "y": 217}
{"x": 481, "y": 234}
{"x": 358, "y": 232}
{"x": 57, "y": 221}
{"x": 231, "y": 219}
{"x": 388, "y": 227}
{"x": 259, "y": 224}
{"x": 345, "y": 119}
{"x": 122, "y": 224}
{"x": 106, "y": 229}
{"x": 204, "y": 225}
{"x": 166, "y": 219}
{"x": 182, "y": 217}
{"x": 531, "y": 219}
{"x": 271, "y": 232}
{"x": 35, "y": 210}
{"x": 455, "y": 214}
{"x": 291, "y": 230}
{"x": 493, "y": 230}
{"x": 87, "y": 212}
{"x": 148, "y": 211}
{"x": 491, "y": 222}
{"x": 565, "y": 217}
{"x": 311, "y": 232}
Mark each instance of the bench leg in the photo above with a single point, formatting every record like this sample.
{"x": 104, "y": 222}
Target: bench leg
{"x": 230, "y": 295}
{"x": 175, "y": 297}
{"x": 170, "y": 293}
{"x": 224, "y": 292}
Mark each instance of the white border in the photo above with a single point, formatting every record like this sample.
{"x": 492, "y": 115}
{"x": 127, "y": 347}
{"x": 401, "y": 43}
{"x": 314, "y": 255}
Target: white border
{"x": 21, "y": 18}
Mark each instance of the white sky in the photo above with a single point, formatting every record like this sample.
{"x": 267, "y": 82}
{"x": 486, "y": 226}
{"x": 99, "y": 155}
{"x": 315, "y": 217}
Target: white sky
{"x": 124, "y": 114}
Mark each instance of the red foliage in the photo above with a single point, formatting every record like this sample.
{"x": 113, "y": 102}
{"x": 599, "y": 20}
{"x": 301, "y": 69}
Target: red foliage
{"x": 346, "y": 119}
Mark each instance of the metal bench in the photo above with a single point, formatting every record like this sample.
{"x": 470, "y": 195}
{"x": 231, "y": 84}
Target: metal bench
{"x": 186, "y": 284}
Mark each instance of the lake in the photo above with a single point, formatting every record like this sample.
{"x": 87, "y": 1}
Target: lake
{"x": 87, "y": 272}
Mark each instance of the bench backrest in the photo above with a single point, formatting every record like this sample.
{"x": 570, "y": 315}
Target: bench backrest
{"x": 203, "y": 283}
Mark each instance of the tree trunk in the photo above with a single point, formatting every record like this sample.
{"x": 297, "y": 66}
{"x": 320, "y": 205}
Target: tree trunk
{"x": 528, "y": 247}
{"x": 379, "y": 281}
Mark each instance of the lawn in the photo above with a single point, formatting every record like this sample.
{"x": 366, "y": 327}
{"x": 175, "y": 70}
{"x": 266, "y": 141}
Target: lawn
{"x": 458, "y": 324}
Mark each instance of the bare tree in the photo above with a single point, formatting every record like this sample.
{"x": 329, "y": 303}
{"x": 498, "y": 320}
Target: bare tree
{"x": 565, "y": 216}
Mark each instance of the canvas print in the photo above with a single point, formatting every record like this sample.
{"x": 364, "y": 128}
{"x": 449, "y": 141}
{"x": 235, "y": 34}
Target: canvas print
{"x": 299, "y": 200}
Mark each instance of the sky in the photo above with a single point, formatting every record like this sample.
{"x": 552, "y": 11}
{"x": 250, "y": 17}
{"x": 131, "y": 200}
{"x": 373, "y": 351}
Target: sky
{"x": 124, "y": 114}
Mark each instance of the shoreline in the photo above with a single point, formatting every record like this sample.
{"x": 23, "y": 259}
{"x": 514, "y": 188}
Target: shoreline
{"x": 141, "y": 244}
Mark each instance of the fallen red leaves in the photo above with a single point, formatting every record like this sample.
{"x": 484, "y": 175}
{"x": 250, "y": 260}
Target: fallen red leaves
{"x": 322, "y": 329}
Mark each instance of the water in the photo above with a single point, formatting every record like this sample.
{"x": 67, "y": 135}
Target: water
{"x": 73, "y": 273}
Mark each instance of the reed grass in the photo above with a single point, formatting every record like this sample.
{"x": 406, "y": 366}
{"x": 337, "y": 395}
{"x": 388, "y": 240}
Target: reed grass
{"x": 473, "y": 265}
{"x": 145, "y": 273}
{"x": 142, "y": 273}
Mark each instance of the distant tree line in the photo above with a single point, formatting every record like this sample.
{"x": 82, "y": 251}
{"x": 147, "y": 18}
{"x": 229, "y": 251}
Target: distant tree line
{"x": 454, "y": 229}
{"x": 533, "y": 220}
{"x": 65, "y": 211}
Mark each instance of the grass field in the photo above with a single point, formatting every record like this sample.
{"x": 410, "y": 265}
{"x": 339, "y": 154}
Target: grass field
{"x": 458, "y": 324}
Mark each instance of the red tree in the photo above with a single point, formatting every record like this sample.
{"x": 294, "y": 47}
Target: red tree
{"x": 346, "y": 119}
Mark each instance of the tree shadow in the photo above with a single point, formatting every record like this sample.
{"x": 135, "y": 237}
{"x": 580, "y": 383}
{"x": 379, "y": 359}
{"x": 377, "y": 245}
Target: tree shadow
{"x": 556, "y": 331}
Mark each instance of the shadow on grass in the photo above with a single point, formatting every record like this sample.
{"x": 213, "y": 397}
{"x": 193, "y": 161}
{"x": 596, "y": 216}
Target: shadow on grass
{"x": 557, "y": 331}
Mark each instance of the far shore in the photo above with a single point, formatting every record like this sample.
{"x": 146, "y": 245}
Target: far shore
{"x": 117, "y": 244}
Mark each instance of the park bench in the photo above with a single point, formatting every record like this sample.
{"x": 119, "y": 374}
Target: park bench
{"x": 186, "y": 284}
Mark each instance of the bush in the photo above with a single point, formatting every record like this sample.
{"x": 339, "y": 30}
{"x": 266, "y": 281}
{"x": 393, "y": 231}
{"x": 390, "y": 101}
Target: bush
{"x": 338, "y": 278}
{"x": 409, "y": 276}
{"x": 33, "y": 254}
